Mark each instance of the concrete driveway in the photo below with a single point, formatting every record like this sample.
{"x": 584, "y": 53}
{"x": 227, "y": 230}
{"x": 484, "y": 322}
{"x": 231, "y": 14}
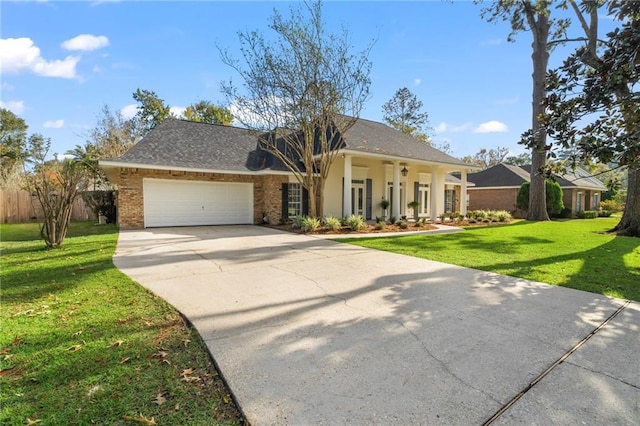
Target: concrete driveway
{"x": 310, "y": 331}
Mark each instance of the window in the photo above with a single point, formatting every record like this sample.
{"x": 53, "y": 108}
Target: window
{"x": 449, "y": 200}
{"x": 579, "y": 202}
{"x": 295, "y": 200}
{"x": 595, "y": 204}
{"x": 423, "y": 198}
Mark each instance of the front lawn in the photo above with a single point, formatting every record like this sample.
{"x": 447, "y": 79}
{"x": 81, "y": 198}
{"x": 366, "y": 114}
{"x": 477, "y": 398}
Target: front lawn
{"x": 81, "y": 343}
{"x": 570, "y": 253}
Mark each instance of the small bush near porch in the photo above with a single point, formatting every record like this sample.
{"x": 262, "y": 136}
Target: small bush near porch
{"x": 570, "y": 253}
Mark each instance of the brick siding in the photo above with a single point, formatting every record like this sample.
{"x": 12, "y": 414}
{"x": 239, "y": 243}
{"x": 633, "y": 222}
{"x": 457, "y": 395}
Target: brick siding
{"x": 267, "y": 197}
{"x": 493, "y": 199}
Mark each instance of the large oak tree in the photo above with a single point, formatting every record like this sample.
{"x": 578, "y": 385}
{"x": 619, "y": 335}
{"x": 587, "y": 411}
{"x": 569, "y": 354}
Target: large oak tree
{"x": 598, "y": 85}
{"x": 533, "y": 16}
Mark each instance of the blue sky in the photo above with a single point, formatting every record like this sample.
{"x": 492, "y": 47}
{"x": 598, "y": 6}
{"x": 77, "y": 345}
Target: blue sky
{"x": 62, "y": 61}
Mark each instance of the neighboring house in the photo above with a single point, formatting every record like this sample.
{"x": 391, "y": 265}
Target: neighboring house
{"x": 185, "y": 173}
{"x": 496, "y": 188}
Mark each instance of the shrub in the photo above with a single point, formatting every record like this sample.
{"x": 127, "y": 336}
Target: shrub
{"x": 332, "y": 223}
{"x": 604, "y": 213}
{"x": 380, "y": 219}
{"x": 355, "y": 223}
{"x": 442, "y": 217}
{"x": 310, "y": 224}
{"x": 404, "y": 224}
{"x": 611, "y": 205}
{"x": 392, "y": 219}
{"x": 298, "y": 221}
{"x": 480, "y": 215}
{"x": 566, "y": 213}
{"x": 503, "y": 216}
{"x": 553, "y": 196}
{"x": 380, "y": 226}
{"x": 588, "y": 214}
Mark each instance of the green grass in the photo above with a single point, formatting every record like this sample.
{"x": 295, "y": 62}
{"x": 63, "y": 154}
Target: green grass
{"x": 569, "y": 253}
{"x": 81, "y": 343}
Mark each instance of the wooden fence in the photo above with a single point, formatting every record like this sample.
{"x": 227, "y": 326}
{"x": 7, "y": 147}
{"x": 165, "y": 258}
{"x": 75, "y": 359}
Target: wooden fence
{"x": 21, "y": 206}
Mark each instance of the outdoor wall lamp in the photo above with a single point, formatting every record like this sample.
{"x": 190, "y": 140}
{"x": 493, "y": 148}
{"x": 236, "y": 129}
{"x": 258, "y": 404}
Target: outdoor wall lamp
{"x": 404, "y": 171}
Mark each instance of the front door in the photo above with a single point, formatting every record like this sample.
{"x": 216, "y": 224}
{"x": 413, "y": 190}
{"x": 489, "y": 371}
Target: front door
{"x": 423, "y": 198}
{"x": 402, "y": 197}
{"x": 358, "y": 197}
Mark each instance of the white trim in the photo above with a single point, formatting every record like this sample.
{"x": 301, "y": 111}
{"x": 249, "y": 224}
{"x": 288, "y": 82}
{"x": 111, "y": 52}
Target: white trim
{"x": 189, "y": 169}
{"x": 364, "y": 154}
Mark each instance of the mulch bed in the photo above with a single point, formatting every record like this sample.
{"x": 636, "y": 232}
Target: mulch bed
{"x": 370, "y": 229}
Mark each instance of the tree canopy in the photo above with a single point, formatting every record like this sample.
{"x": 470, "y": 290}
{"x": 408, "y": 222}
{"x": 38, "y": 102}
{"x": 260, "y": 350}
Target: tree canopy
{"x": 302, "y": 88}
{"x": 593, "y": 107}
{"x": 404, "y": 113}
{"x": 13, "y": 140}
{"x": 486, "y": 158}
{"x": 152, "y": 110}
{"x": 207, "y": 112}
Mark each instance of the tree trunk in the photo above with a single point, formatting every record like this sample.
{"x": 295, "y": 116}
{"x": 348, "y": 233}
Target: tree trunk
{"x": 629, "y": 225}
{"x": 540, "y": 58}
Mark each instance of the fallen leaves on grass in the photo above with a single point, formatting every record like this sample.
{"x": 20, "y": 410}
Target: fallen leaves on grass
{"x": 33, "y": 421}
{"x": 141, "y": 419}
{"x": 116, "y": 344}
{"x": 159, "y": 399}
{"x": 74, "y": 348}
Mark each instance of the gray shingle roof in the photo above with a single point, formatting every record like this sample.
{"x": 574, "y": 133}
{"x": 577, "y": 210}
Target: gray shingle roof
{"x": 373, "y": 137}
{"x": 579, "y": 178}
{"x": 190, "y": 145}
{"x": 187, "y": 144}
{"x": 506, "y": 175}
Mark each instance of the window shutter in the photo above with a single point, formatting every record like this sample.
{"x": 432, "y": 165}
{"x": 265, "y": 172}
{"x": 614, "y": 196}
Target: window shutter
{"x": 368, "y": 205}
{"x": 342, "y": 209}
{"x": 305, "y": 201}
{"x": 416, "y": 191}
{"x": 285, "y": 201}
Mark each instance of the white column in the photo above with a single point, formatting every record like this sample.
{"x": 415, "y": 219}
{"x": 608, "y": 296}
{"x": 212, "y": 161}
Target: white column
{"x": 463, "y": 193}
{"x": 395, "y": 202}
{"x": 346, "y": 187}
{"x": 435, "y": 188}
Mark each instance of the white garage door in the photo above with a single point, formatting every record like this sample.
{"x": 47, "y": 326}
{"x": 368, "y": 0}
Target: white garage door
{"x": 189, "y": 203}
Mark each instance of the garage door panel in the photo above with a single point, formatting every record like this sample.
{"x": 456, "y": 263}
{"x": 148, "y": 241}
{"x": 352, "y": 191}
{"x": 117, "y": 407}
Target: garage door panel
{"x": 191, "y": 203}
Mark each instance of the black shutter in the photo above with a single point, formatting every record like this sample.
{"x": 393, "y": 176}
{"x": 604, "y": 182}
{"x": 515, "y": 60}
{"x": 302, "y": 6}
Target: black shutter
{"x": 285, "y": 201}
{"x": 416, "y": 192}
{"x": 305, "y": 201}
{"x": 342, "y": 211}
{"x": 368, "y": 205}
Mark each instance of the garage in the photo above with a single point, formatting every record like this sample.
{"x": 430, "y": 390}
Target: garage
{"x": 194, "y": 203}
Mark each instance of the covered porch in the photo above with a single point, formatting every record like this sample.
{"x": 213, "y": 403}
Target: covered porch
{"x": 359, "y": 182}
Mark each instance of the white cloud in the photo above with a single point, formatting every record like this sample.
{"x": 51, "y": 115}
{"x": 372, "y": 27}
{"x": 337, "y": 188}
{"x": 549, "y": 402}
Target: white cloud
{"x": 491, "y": 127}
{"x": 417, "y": 82}
{"x": 19, "y": 55}
{"x": 446, "y": 127}
{"x": 6, "y": 86}
{"x": 16, "y": 107}
{"x": 85, "y": 42}
{"x": 54, "y": 124}
{"x": 129, "y": 111}
{"x": 96, "y": 69}
{"x": 177, "y": 111}
{"x": 61, "y": 157}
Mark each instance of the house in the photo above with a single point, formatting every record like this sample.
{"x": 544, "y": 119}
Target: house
{"x": 496, "y": 188}
{"x": 186, "y": 173}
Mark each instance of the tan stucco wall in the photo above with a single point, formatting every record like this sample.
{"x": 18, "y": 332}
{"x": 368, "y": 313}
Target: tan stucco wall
{"x": 267, "y": 192}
